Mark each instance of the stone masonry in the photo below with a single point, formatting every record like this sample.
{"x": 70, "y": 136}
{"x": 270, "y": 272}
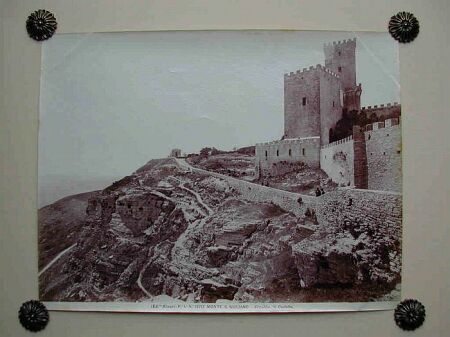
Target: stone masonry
{"x": 314, "y": 101}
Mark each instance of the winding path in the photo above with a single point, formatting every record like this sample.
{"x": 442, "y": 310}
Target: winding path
{"x": 196, "y": 195}
{"x": 56, "y": 258}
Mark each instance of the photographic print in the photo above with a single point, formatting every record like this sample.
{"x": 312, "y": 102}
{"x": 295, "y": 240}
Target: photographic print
{"x": 220, "y": 171}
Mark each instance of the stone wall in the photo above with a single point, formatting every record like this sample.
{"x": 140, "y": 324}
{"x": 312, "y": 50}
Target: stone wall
{"x": 304, "y": 150}
{"x": 384, "y": 159}
{"x": 336, "y": 159}
{"x": 388, "y": 110}
{"x": 380, "y": 208}
{"x": 358, "y": 240}
{"x": 258, "y": 193}
{"x": 360, "y": 168}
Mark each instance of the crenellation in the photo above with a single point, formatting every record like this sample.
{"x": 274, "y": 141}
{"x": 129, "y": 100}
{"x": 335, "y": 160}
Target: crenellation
{"x": 313, "y": 105}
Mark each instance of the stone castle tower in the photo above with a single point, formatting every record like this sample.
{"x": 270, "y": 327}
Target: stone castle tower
{"x": 340, "y": 58}
{"x": 314, "y": 98}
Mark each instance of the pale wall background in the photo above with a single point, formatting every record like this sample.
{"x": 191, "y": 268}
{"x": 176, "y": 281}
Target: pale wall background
{"x": 424, "y": 71}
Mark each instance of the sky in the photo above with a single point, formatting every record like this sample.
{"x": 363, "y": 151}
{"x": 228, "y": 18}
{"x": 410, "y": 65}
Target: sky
{"x": 112, "y": 101}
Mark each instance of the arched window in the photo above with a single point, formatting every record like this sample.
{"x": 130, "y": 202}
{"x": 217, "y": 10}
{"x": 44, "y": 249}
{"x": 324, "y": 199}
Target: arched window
{"x": 290, "y": 152}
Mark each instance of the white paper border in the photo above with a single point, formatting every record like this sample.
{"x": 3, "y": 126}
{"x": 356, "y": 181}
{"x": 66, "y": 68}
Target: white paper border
{"x": 216, "y": 308}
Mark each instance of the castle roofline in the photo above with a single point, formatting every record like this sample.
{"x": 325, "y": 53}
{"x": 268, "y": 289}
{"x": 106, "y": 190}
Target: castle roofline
{"x": 288, "y": 140}
{"x": 309, "y": 70}
{"x": 341, "y": 42}
{"x": 381, "y": 106}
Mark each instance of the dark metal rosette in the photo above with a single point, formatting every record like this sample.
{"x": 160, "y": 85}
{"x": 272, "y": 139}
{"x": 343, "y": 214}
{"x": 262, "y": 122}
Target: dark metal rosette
{"x": 41, "y": 25}
{"x": 33, "y": 315}
{"x": 404, "y": 27}
{"x": 409, "y": 314}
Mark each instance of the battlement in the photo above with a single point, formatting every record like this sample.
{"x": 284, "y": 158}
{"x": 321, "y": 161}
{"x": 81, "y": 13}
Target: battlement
{"x": 289, "y": 141}
{"x": 311, "y": 69}
{"x": 341, "y": 141}
{"x": 335, "y": 44}
{"x": 380, "y": 107}
{"x": 381, "y": 125}
{"x": 304, "y": 71}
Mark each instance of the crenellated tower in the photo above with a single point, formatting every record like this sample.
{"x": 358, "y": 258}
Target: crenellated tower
{"x": 340, "y": 57}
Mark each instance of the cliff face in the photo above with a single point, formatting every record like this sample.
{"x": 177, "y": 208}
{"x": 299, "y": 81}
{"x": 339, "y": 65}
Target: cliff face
{"x": 166, "y": 230}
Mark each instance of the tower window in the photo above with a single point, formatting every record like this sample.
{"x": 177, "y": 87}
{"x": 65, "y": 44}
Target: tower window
{"x": 278, "y": 153}
{"x": 304, "y": 101}
{"x": 290, "y": 152}
{"x": 340, "y": 69}
{"x": 303, "y": 151}
{"x": 339, "y": 53}
{"x": 333, "y": 104}
{"x": 266, "y": 154}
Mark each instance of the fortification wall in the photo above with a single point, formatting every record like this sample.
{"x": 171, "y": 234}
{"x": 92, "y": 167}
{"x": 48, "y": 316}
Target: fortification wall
{"x": 336, "y": 159}
{"x": 383, "y": 111}
{"x": 380, "y": 209}
{"x": 302, "y": 103}
{"x": 384, "y": 161}
{"x": 306, "y": 150}
{"x": 330, "y": 103}
{"x": 258, "y": 193}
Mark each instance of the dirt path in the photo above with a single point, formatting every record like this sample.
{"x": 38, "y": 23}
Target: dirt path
{"x": 56, "y": 258}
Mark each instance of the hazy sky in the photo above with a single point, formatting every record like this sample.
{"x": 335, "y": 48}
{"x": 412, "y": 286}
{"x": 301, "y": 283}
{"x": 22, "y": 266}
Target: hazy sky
{"x": 112, "y": 101}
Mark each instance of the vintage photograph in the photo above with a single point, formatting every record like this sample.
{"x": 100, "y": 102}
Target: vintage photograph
{"x": 178, "y": 170}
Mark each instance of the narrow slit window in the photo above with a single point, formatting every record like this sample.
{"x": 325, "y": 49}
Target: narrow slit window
{"x": 303, "y": 151}
{"x": 278, "y": 153}
{"x": 266, "y": 154}
{"x": 304, "y": 101}
{"x": 340, "y": 69}
{"x": 290, "y": 152}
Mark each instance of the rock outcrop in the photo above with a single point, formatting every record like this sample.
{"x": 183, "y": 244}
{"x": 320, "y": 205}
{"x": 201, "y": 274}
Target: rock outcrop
{"x": 168, "y": 231}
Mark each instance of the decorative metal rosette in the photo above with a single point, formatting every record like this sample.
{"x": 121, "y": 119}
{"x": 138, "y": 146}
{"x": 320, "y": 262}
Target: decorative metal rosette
{"x": 33, "y": 315}
{"x": 404, "y": 27}
{"x": 41, "y": 25}
{"x": 409, "y": 314}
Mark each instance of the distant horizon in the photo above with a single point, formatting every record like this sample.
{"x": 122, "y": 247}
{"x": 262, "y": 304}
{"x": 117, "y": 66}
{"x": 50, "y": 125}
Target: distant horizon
{"x": 110, "y": 102}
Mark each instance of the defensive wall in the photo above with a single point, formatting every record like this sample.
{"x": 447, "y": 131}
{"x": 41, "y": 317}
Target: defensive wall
{"x": 381, "y": 209}
{"x": 377, "y": 166}
{"x": 383, "y": 111}
{"x": 267, "y": 155}
{"x": 259, "y": 193}
{"x": 384, "y": 159}
{"x": 336, "y": 159}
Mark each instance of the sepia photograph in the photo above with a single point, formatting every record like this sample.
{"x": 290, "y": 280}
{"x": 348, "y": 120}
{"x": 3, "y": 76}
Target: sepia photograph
{"x": 220, "y": 171}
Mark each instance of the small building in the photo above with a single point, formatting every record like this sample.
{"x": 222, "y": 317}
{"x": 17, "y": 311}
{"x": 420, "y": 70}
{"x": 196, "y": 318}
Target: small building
{"x": 175, "y": 153}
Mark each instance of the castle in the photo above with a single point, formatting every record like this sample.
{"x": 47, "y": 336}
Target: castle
{"x": 315, "y": 99}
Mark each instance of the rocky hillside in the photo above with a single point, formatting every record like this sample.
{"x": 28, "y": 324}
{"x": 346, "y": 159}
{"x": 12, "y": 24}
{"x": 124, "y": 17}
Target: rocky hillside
{"x": 168, "y": 230}
{"x": 60, "y": 224}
